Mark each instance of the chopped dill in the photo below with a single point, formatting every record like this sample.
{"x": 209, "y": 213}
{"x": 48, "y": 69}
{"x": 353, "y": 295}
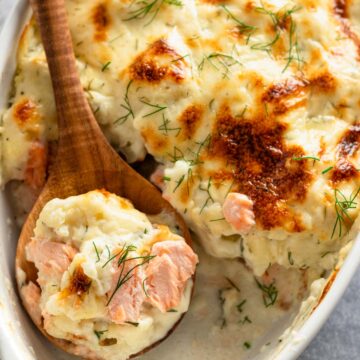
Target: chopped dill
{"x": 123, "y": 258}
{"x": 270, "y": 293}
{"x": 342, "y": 207}
{"x": 209, "y": 197}
{"x": 325, "y": 253}
{"x": 106, "y": 66}
{"x": 239, "y": 306}
{"x": 166, "y": 178}
{"x": 327, "y": 170}
{"x": 211, "y": 103}
{"x": 178, "y": 182}
{"x": 232, "y": 284}
{"x": 99, "y": 333}
{"x": 245, "y": 320}
{"x": 305, "y": 157}
{"x": 166, "y": 129}
{"x": 127, "y": 106}
{"x": 247, "y": 345}
{"x": 243, "y": 27}
{"x": 172, "y": 311}
{"x": 290, "y": 258}
{"x": 136, "y": 324}
{"x": 157, "y": 107}
{"x": 97, "y": 252}
{"x": 219, "y": 61}
{"x": 220, "y": 219}
{"x": 180, "y": 58}
{"x": 152, "y": 8}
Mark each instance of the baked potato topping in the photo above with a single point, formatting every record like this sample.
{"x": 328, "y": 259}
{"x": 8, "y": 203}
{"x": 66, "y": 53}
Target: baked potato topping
{"x": 250, "y": 107}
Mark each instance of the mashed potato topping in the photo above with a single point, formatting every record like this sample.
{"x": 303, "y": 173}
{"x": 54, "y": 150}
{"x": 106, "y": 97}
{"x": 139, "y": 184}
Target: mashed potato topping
{"x": 111, "y": 281}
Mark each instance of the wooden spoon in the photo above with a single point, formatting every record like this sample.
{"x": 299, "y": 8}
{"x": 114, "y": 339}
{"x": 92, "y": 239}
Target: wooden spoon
{"x": 84, "y": 161}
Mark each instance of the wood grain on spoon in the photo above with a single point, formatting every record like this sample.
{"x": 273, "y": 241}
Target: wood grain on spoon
{"x": 85, "y": 161}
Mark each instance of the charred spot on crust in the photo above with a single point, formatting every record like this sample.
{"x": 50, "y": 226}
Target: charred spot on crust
{"x": 101, "y": 20}
{"x": 157, "y": 63}
{"x": 80, "y": 283}
{"x": 262, "y": 166}
{"x": 155, "y": 141}
{"x": 340, "y": 8}
{"x": 108, "y": 342}
{"x": 190, "y": 120}
{"x": 347, "y": 147}
{"x": 285, "y": 95}
{"x": 24, "y": 112}
{"x": 324, "y": 82}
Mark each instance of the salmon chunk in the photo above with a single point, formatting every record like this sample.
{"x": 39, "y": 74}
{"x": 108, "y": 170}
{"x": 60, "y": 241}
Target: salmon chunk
{"x": 31, "y": 296}
{"x": 126, "y": 303}
{"x": 51, "y": 258}
{"x": 167, "y": 273}
{"x": 35, "y": 171}
{"x": 238, "y": 211}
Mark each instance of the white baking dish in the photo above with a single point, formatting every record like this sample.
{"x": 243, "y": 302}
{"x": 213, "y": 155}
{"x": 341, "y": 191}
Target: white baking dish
{"x": 19, "y": 339}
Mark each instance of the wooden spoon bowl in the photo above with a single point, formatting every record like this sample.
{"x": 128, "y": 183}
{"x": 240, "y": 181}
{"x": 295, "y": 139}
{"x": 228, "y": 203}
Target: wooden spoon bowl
{"x": 84, "y": 161}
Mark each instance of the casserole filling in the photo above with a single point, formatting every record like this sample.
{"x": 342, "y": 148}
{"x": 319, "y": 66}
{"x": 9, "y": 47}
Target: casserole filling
{"x": 111, "y": 281}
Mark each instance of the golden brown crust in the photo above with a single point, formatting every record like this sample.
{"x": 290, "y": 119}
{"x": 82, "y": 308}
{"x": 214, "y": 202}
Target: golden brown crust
{"x": 190, "y": 120}
{"x": 101, "y": 20}
{"x": 150, "y": 66}
{"x": 263, "y": 166}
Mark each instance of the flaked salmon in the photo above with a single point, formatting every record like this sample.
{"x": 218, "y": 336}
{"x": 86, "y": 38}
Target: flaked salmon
{"x": 238, "y": 211}
{"x": 35, "y": 171}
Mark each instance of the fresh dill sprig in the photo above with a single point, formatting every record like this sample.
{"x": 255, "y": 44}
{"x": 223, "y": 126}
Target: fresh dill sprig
{"x": 166, "y": 129}
{"x": 99, "y": 333}
{"x": 106, "y": 66}
{"x": 240, "y": 306}
{"x": 290, "y": 258}
{"x": 180, "y": 58}
{"x": 172, "y": 311}
{"x": 294, "y": 50}
{"x": 243, "y": 27}
{"x": 97, "y": 252}
{"x": 232, "y": 284}
{"x": 327, "y": 170}
{"x": 136, "y": 324}
{"x": 342, "y": 207}
{"x": 157, "y": 107}
{"x": 123, "y": 258}
{"x": 218, "y": 61}
{"x": 245, "y": 320}
{"x": 305, "y": 157}
{"x": 270, "y": 293}
{"x": 209, "y": 197}
{"x": 179, "y": 182}
{"x": 152, "y": 8}
{"x": 127, "y": 106}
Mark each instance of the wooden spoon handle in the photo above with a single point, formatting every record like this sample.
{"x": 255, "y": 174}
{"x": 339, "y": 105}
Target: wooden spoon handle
{"x": 75, "y": 118}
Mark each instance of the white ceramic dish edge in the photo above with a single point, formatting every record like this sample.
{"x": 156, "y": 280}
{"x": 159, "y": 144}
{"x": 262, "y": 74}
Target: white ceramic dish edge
{"x": 14, "y": 324}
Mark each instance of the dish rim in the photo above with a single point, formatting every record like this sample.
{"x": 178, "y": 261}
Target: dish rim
{"x": 300, "y": 339}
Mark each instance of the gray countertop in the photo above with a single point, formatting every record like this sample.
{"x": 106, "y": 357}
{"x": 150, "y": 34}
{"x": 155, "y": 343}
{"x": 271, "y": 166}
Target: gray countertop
{"x": 339, "y": 339}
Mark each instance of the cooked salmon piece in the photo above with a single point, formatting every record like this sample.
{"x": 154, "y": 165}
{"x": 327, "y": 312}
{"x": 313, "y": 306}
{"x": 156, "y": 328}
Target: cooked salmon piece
{"x": 127, "y": 301}
{"x": 167, "y": 273}
{"x": 238, "y": 211}
{"x": 51, "y": 258}
{"x": 31, "y": 297}
{"x": 35, "y": 171}
{"x": 157, "y": 178}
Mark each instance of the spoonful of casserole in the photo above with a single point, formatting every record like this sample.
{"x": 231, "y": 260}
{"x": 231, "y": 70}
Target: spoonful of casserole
{"x": 103, "y": 264}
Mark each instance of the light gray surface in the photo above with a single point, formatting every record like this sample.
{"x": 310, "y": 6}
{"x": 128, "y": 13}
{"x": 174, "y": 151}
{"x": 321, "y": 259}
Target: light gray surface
{"x": 339, "y": 339}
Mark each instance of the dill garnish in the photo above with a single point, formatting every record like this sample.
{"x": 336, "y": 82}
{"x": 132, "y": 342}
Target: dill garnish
{"x": 290, "y": 258}
{"x": 240, "y": 306}
{"x": 247, "y": 345}
{"x": 167, "y": 178}
{"x": 97, "y": 252}
{"x": 166, "y": 129}
{"x": 106, "y": 66}
{"x": 209, "y": 197}
{"x": 222, "y": 302}
{"x": 180, "y": 58}
{"x": 245, "y": 320}
{"x": 220, "y": 219}
{"x": 178, "y": 182}
{"x": 342, "y": 206}
{"x": 123, "y": 258}
{"x": 305, "y": 157}
{"x": 232, "y": 284}
{"x": 127, "y": 106}
{"x": 99, "y": 333}
{"x": 222, "y": 59}
{"x": 172, "y": 311}
{"x": 270, "y": 293}
{"x": 243, "y": 28}
{"x": 149, "y": 7}
{"x": 157, "y": 107}
{"x": 136, "y": 324}
{"x": 327, "y": 170}
{"x": 177, "y": 155}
